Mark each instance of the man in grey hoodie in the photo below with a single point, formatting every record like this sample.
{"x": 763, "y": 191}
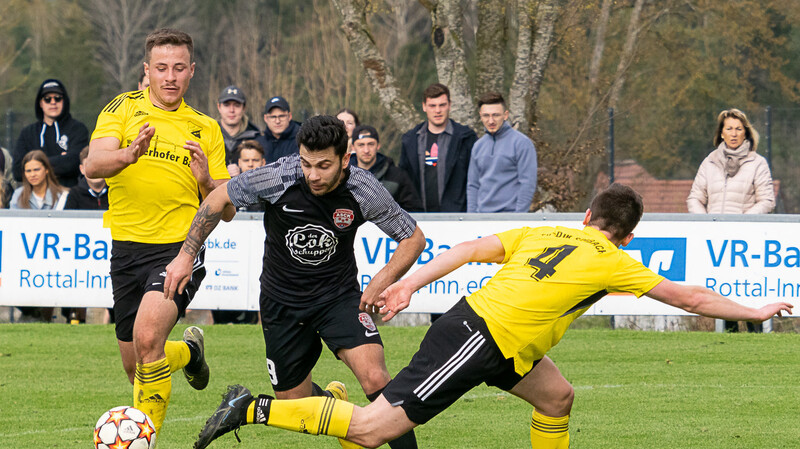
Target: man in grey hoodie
{"x": 502, "y": 168}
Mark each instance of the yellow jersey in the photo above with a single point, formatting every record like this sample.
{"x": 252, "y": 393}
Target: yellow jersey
{"x": 550, "y": 277}
{"x": 155, "y": 199}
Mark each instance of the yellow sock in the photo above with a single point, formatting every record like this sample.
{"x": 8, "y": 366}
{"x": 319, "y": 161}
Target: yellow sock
{"x": 152, "y": 386}
{"x": 178, "y": 354}
{"x": 314, "y": 415}
{"x": 548, "y": 432}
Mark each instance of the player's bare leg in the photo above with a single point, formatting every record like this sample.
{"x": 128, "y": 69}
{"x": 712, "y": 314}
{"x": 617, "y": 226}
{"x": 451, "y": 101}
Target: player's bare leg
{"x": 301, "y": 391}
{"x": 551, "y": 396}
{"x": 368, "y": 364}
{"x": 128, "y": 356}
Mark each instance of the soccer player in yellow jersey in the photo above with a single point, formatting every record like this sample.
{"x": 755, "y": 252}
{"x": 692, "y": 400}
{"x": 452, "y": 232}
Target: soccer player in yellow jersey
{"x": 158, "y": 156}
{"x": 499, "y": 335}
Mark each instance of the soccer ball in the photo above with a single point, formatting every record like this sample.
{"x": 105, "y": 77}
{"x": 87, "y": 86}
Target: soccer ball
{"x": 124, "y": 428}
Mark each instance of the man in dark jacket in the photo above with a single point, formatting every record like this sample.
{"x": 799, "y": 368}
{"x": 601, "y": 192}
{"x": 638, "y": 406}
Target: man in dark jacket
{"x": 89, "y": 193}
{"x": 55, "y": 132}
{"x": 436, "y": 154}
{"x": 280, "y": 137}
{"x": 367, "y": 144}
{"x": 236, "y": 127}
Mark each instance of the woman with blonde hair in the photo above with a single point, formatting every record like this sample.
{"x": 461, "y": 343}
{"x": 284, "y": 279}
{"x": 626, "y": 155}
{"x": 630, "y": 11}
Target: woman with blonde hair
{"x": 40, "y": 188}
{"x": 733, "y": 179}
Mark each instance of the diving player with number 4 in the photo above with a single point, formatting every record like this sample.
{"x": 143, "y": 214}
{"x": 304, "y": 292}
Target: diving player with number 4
{"x": 500, "y": 334}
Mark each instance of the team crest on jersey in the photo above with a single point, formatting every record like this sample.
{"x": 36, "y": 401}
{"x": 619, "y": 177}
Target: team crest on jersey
{"x": 366, "y": 321}
{"x": 195, "y": 129}
{"x": 343, "y": 218}
{"x": 311, "y": 244}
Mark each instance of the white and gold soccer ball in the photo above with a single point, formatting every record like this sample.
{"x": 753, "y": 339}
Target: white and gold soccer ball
{"x": 124, "y": 427}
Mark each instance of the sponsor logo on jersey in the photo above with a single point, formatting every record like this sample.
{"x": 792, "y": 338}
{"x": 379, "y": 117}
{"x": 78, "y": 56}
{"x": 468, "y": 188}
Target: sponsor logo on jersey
{"x": 664, "y": 256}
{"x": 195, "y": 129}
{"x": 311, "y": 244}
{"x": 366, "y": 321}
{"x": 140, "y": 113}
{"x": 343, "y": 218}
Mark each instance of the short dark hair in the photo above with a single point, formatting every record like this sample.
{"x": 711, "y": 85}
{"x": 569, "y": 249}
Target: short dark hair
{"x": 435, "y": 90}
{"x": 141, "y": 73}
{"x": 84, "y": 154}
{"x": 249, "y": 145}
{"x": 617, "y": 210}
{"x": 168, "y": 36}
{"x": 322, "y": 132}
{"x": 491, "y": 98}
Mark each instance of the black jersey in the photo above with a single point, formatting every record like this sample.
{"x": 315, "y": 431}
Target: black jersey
{"x": 308, "y": 251}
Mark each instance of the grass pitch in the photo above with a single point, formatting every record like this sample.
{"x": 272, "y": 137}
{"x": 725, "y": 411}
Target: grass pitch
{"x": 633, "y": 390}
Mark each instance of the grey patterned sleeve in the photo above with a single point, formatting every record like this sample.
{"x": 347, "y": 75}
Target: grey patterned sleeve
{"x": 378, "y": 206}
{"x": 265, "y": 183}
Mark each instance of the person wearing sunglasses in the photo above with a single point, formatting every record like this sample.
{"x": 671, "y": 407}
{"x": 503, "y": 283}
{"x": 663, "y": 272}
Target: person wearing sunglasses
{"x": 55, "y": 132}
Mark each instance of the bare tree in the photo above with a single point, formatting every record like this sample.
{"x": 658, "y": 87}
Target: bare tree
{"x": 491, "y": 42}
{"x": 628, "y": 51}
{"x": 122, "y": 26}
{"x": 542, "y": 47}
{"x": 354, "y": 25}
{"x": 519, "y": 97}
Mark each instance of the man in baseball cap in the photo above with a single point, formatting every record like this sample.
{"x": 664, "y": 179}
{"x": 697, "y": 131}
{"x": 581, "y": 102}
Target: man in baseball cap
{"x": 366, "y": 144}
{"x": 236, "y": 127}
{"x": 279, "y": 139}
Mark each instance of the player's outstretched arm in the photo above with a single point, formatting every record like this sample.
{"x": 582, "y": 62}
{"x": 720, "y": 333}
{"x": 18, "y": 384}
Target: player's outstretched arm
{"x": 403, "y": 258}
{"x": 106, "y": 158}
{"x": 180, "y": 269}
{"x": 702, "y": 301}
{"x": 397, "y": 296}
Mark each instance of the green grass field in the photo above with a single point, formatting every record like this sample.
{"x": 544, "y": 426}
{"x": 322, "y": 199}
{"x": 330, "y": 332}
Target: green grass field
{"x": 633, "y": 390}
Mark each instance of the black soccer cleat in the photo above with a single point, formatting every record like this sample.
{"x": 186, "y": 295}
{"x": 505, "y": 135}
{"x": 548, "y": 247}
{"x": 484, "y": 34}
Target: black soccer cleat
{"x": 230, "y": 415}
{"x": 197, "y": 378}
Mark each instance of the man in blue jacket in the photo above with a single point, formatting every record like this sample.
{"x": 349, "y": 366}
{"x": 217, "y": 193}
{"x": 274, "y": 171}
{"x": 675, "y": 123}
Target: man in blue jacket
{"x": 436, "y": 154}
{"x": 502, "y": 171}
{"x": 280, "y": 137}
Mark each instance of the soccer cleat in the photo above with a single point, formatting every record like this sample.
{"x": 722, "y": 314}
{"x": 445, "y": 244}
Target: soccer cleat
{"x": 338, "y": 390}
{"x": 230, "y": 415}
{"x": 198, "y": 379}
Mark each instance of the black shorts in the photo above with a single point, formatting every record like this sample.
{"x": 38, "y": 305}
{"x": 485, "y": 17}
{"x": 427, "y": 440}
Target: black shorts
{"x": 138, "y": 268}
{"x": 292, "y": 336}
{"x": 456, "y": 355}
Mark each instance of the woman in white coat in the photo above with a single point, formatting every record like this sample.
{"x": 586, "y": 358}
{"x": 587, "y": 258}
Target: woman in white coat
{"x": 733, "y": 179}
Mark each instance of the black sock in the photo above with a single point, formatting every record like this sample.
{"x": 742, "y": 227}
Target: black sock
{"x": 407, "y": 441}
{"x": 194, "y": 356}
{"x": 316, "y": 390}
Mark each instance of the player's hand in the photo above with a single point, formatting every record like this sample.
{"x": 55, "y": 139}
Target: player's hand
{"x": 199, "y": 164}
{"x": 139, "y": 145}
{"x": 234, "y": 170}
{"x": 179, "y": 271}
{"x": 771, "y": 310}
{"x": 395, "y": 298}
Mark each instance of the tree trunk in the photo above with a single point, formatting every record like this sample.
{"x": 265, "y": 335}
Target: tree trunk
{"x": 519, "y": 97}
{"x": 354, "y": 25}
{"x": 626, "y": 58}
{"x": 451, "y": 66}
{"x": 491, "y": 43}
{"x": 542, "y": 47}
{"x": 599, "y": 46}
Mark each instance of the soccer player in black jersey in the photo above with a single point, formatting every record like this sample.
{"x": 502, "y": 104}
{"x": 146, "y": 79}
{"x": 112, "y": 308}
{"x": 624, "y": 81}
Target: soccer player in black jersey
{"x": 314, "y": 203}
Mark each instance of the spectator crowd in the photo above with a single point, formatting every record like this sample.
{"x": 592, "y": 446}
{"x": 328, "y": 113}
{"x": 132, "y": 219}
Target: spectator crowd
{"x": 444, "y": 166}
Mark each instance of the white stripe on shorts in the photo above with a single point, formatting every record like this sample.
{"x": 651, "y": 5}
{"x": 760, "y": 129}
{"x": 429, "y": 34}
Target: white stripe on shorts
{"x": 427, "y": 387}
